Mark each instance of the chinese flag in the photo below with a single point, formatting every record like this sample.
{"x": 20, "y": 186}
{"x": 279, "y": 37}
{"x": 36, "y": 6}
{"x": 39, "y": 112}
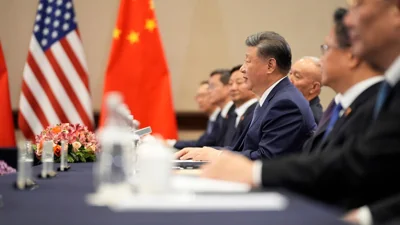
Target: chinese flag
{"x": 137, "y": 68}
{"x": 7, "y": 138}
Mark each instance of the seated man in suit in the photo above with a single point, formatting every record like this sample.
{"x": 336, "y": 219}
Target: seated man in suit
{"x": 282, "y": 120}
{"x": 355, "y": 81}
{"x": 203, "y": 101}
{"x": 218, "y": 95}
{"x": 245, "y": 101}
{"x": 306, "y": 75}
{"x": 359, "y": 173}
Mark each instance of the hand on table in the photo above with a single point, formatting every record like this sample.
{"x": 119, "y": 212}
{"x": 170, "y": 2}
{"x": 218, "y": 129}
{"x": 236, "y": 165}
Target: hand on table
{"x": 352, "y": 217}
{"x": 230, "y": 166}
{"x": 199, "y": 154}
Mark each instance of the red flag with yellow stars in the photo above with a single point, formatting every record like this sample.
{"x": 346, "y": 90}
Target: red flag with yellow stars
{"x": 7, "y": 137}
{"x": 137, "y": 68}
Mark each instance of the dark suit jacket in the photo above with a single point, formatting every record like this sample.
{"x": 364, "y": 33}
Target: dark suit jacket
{"x": 314, "y": 141}
{"x": 386, "y": 210}
{"x": 356, "y": 174}
{"x": 215, "y": 138}
{"x": 316, "y": 109}
{"x": 284, "y": 122}
{"x": 233, "y": 133}
{"x": 351, "y": 125}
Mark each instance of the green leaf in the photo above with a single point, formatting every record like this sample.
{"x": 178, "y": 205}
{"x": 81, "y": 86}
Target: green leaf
{"x": 91, "y": 158}
{"x": 82, "y": 158}
{"x": 74, "y": 156}
{"x": 70, "y": 159}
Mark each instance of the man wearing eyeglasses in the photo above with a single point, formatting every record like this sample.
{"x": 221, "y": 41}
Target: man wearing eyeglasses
{"x": 355, "y": 81}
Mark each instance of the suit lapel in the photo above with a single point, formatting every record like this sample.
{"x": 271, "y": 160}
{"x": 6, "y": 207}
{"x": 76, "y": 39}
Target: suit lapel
{"x": 244, "y": 121}
{"x": 347, "y": 114}
{"x": 282, "y": 84}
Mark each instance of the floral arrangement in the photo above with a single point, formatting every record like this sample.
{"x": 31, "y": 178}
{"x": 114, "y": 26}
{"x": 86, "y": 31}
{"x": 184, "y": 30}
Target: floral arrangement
{"x": 82, "y": 143}
{"x": 6, "y": 169}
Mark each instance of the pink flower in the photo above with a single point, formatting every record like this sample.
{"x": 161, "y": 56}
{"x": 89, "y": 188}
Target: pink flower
{"x": 76, "y": 135}
{"x": 76, "y": 145}
{"x": 92, "y": 148}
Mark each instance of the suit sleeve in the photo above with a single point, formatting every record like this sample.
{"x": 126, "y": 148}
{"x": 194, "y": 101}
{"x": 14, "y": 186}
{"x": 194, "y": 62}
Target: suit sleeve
{"x": 204, "y": 140}
{"x": 279, "y": 131}
{"x": 348, "y": 175}
{"x": 385, "y": 210}
{"x": 185, "y": 144}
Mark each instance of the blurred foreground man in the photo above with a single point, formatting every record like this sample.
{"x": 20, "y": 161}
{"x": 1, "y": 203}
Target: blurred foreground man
{"x": 306, "y": 75}
{"x": 367, "y": 19}
{"x": 360, "y": 173}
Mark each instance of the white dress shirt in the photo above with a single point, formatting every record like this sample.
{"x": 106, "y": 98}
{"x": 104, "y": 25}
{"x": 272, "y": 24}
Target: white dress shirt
{"x": 213, "y": 116}
{"x": 225, "y": 109}
{"x": 347, "y": 98}
{"x": 242, "y": 109}
{"x": 392, "y": 75}
{"x": 337, "y": 98}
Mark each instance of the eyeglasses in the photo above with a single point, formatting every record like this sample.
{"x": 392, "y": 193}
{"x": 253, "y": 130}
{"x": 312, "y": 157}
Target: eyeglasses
{"x": 324, "y": 48}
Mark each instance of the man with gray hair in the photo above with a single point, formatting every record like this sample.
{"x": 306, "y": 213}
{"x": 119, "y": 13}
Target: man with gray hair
{"x": 306, "y": 75}
{"x": 282, "y": 120}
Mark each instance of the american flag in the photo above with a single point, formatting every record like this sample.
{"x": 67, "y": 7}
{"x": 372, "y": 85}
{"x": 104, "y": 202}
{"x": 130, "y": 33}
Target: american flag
{"x": 55, "y": 86}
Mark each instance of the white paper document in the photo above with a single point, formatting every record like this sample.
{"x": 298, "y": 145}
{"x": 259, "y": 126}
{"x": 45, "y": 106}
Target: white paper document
{"x": 269, "y": 201}
{"x": 197, "y": 184}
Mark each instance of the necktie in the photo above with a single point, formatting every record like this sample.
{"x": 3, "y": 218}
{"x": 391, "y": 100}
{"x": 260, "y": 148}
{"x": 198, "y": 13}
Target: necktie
{"x": 381, "y": 97}
{"x": 230, "y": 130}
{"x": 210, "y": 125}
{"x": 234, "y": 118}
{"x": 255, "y": 114}
{"x": 335, "y": 116}
{"x": 327, "y": 114}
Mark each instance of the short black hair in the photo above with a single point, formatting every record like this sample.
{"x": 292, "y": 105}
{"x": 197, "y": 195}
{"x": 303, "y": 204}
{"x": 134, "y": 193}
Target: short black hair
{"x": 341, "y": 30}
{"x": 235, "y": 68}
{"x": 225, "y": 75}
{"x": 272, "y": 45}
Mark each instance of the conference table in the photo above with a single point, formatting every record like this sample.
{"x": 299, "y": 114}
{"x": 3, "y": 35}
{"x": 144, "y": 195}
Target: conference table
{"x": 61, "y": 201}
